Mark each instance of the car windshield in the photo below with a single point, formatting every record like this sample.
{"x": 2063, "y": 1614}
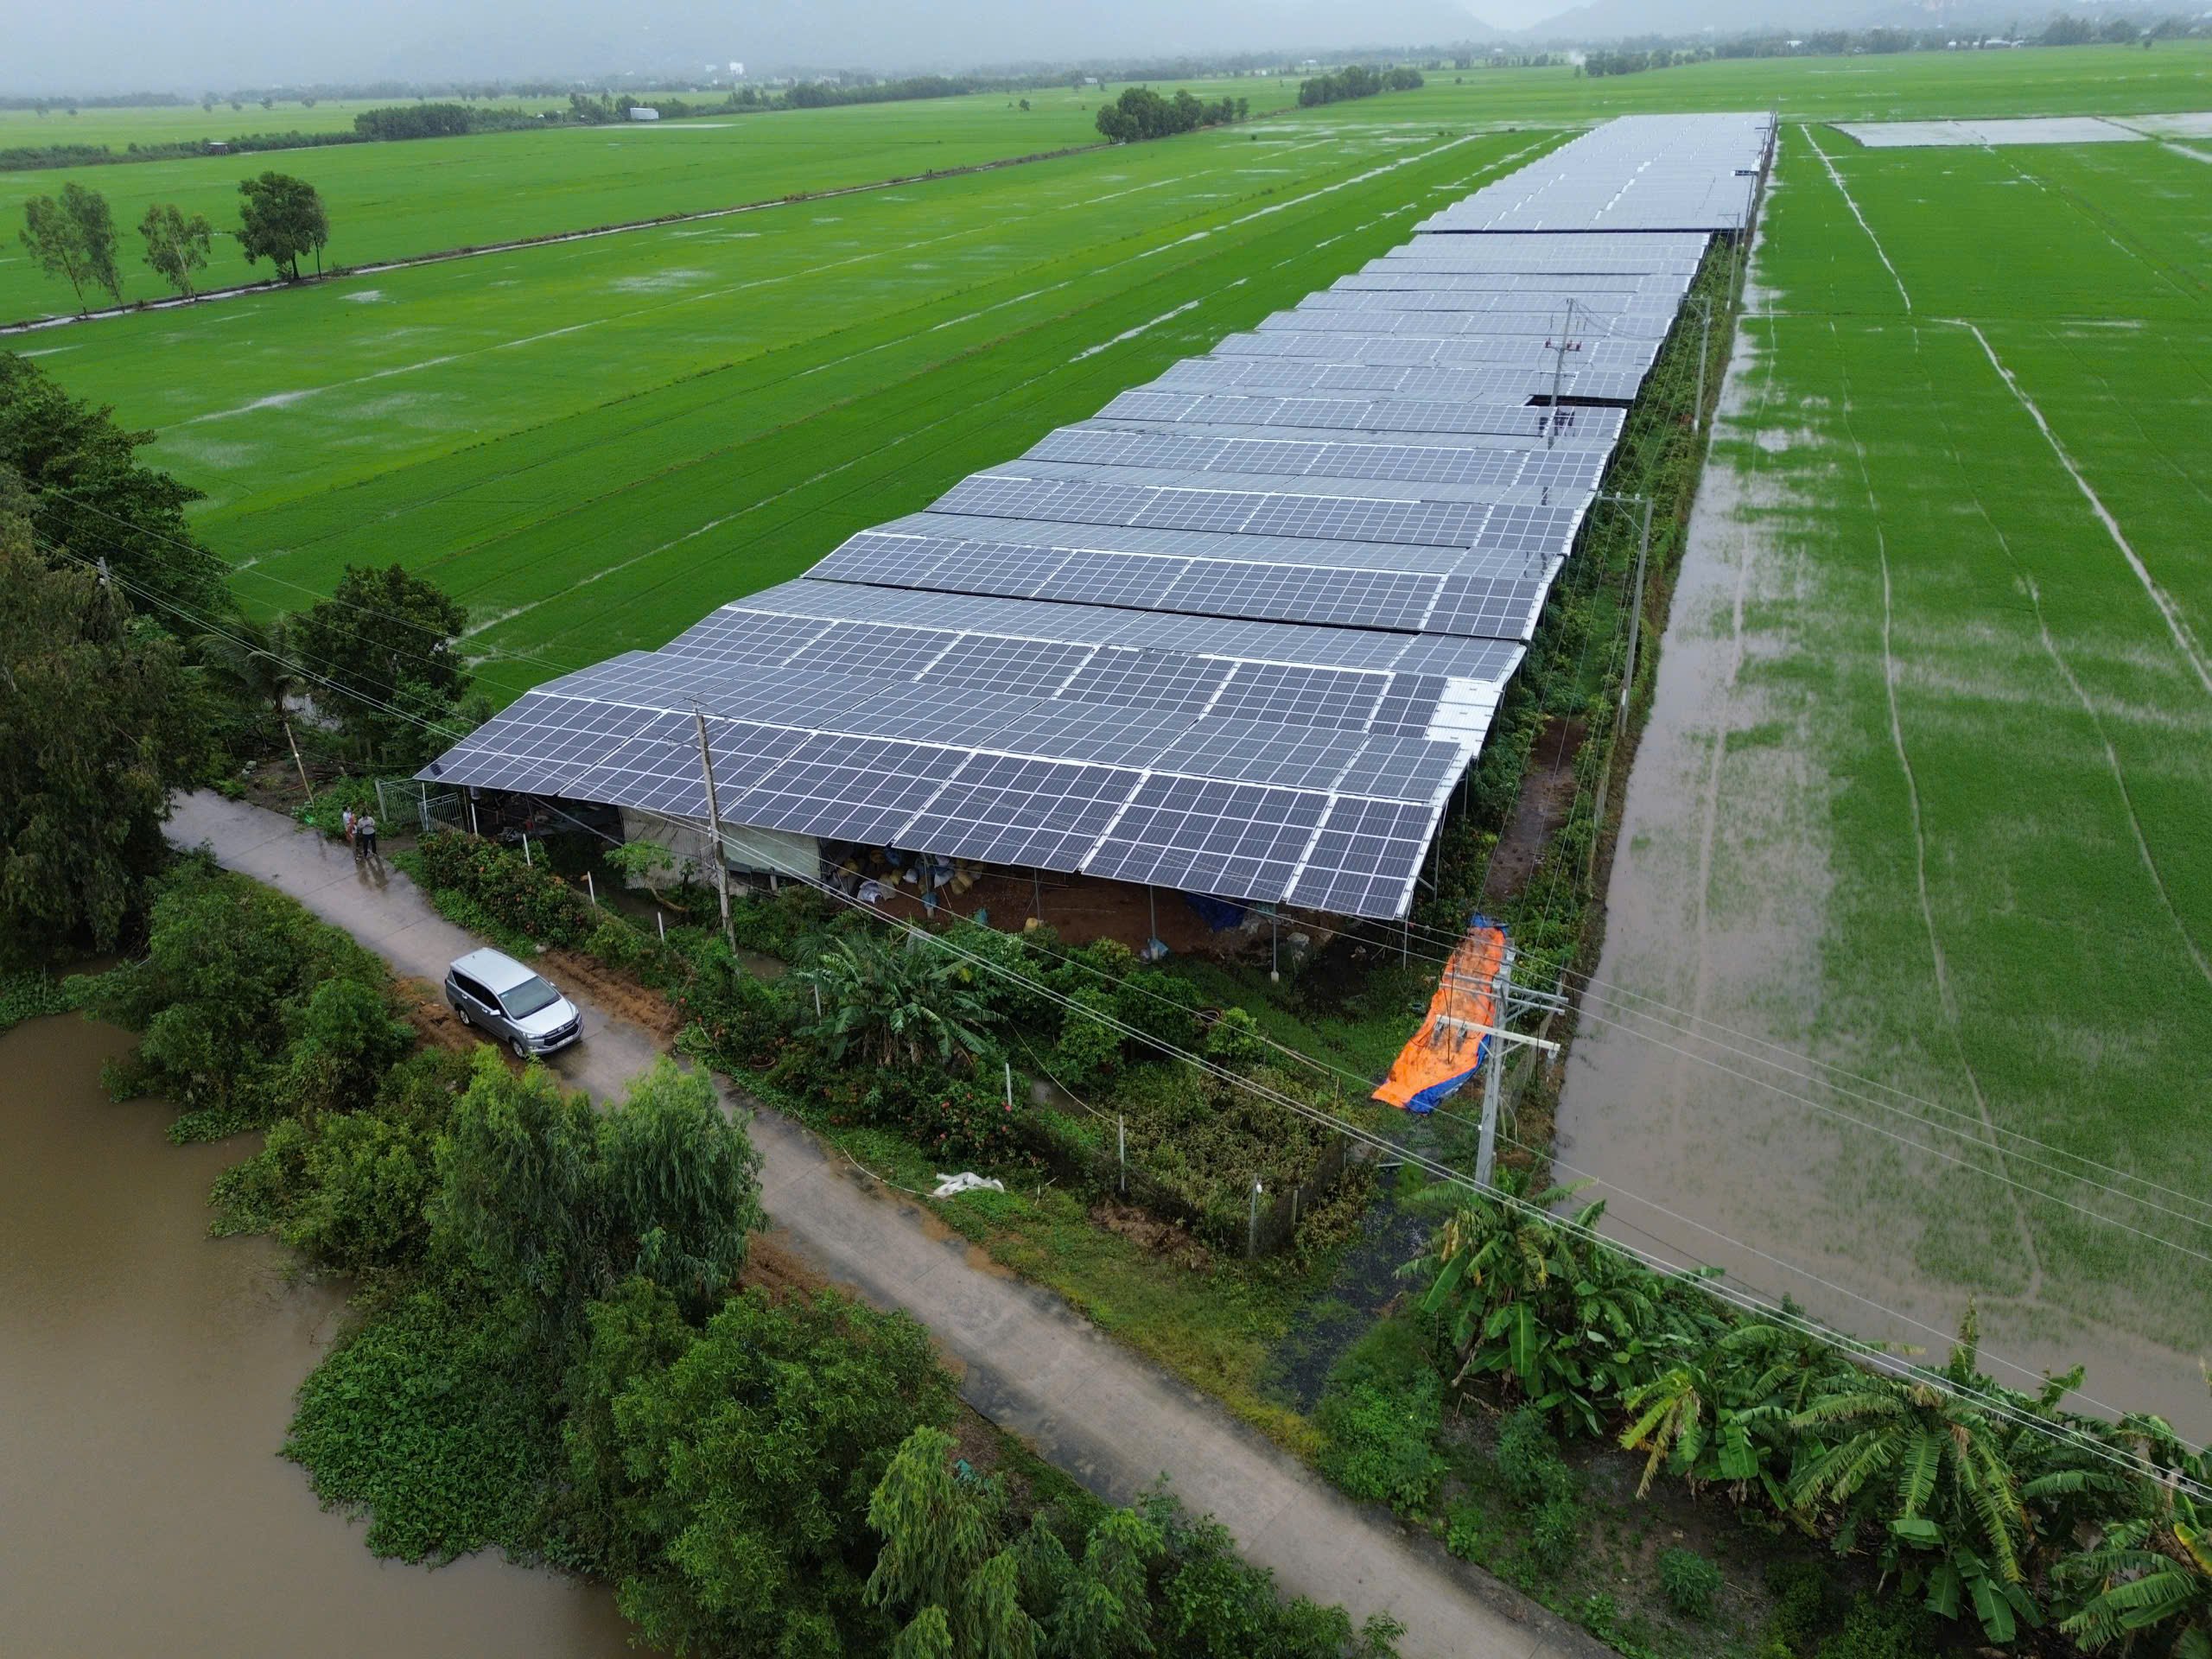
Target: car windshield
{"x": 529, "y": 997}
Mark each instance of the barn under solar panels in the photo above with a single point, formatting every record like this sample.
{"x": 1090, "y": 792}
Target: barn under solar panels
{"x": 1242, "y": 632}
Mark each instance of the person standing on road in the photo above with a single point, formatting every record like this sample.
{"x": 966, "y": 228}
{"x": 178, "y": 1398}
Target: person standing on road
{"x": 345, "y": 819}
{"x": 364, "y": 835}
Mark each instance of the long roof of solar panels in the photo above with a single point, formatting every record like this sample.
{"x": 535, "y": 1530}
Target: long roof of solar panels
{"x": 1641, "y": 173}
{"x": 1240, "y": 633}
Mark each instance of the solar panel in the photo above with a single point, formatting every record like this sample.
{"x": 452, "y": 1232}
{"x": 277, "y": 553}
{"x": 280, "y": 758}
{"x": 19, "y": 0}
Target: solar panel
{"x": 1364, "y": 859}
{"x": 1004, "y": 811}
{"x": 1240, "y": 633}
{"x": 841, "y": 788}
{"x": 1209, "y": 835}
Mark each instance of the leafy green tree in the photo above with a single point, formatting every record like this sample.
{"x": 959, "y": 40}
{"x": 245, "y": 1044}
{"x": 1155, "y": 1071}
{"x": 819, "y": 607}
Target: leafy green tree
{"x": 514, "y": 1184}
{"x": 636, "y": 1331}
{"x": 73, "y": 237}
{"x": 223, "y": 998}
{"x": 384, "y": 649}
{"x": 940, "y": 1558}
{"x": 539, "y": 1194}
{"x": 98, "y": 724}
{"x": 680, "y": 1185}
{"x": 893, "y": 1005}
{"x": 175, "y": 246}
{"x": 281, "y": 218}
{"x": 1103, "y": 1609}
{"x": 342, "y": 1043}
{"x": 88, "y": 494}
{"x": 756, "y": 1452}
{"x": 365, "y": 1182}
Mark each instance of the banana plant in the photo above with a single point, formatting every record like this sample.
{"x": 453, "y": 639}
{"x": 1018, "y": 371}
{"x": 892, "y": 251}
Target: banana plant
{"x": 1921, "y": 1457}
{"x": 1718, "y": 1417}
{"x": 1541, "y": 1303}
{"x": 2148, "y": 1580}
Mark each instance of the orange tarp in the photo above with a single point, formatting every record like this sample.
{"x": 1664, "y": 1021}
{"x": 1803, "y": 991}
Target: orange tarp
{"x": 1445, "y": 1052}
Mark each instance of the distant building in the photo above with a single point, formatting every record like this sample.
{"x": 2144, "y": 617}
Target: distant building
{"x": 643, "y": 112}
{"x": 219, "y": 147}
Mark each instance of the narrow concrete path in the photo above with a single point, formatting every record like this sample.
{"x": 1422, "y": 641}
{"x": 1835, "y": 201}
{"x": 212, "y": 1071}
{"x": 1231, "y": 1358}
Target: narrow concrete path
{"x": 1029, "y": 1362}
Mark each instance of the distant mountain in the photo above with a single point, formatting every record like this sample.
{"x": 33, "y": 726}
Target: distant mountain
{"x": 1613, "y": 20}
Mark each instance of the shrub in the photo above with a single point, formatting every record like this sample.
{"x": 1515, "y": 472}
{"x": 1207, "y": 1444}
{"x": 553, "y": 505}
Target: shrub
{"x": 1463, "y": 1534}
{"x": 519, "y": 892}
{"x": 27, "y": 997}
{"x": 1690, "y": 1582}
{"x": 1378, "y": 1442}
{"x": 1014, "y": 987}
{"x": 1233, "y": 1040}
{"x": 775, "y": 924}
{"x": 1163, "y": 1008}
{"x": 325, "y": 809}
{"x": 949, "y": 1118}
{"x": 1800, "y": 1603}
{"x": 1553, "y": 1531}
{"x": 1597, "y": 1614}
{"x": 1888, "y": 1629}
{"x": 618, "y": 945}
{"x": 1528, "y": 1463}
{"x": 1088, "y": 1050}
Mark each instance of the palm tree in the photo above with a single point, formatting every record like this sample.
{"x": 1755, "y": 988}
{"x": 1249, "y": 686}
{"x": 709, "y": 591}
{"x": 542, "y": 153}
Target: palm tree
{"x": 899, "y": 1005}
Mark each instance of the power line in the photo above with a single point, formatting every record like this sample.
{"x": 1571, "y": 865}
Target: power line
{"x": 449, "y": 732}
{"x": 1587, "y": 981}
{"x": 1781, "y": 1314}
{"x": 1380, "y": 1142}
{"x": 261, "y": 575}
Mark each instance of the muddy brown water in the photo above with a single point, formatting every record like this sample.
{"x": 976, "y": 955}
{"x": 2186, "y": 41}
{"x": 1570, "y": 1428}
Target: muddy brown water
{"x": 146, "y": 1377}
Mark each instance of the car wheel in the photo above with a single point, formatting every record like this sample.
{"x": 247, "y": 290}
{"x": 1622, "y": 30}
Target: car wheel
{"x": 521, "y": 1049}
{"x": 462, "y": 1014}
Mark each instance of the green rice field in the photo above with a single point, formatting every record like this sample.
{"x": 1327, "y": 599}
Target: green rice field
{"x": 1948, "y": 821}
{"x": 395, "y": 201}
{"x": 594, "y": 444}
{"x": 399, "y": 199}
{"x": 1928, "y": 790}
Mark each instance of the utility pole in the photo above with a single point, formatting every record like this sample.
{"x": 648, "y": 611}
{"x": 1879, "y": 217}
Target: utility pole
{"x": 1508, "y": 1002}
{"x": 1559, "y": 373}
{"x": 1635, "y": 619}
{"x": 714, "y": 818}
{"x": 1704, "y": 351}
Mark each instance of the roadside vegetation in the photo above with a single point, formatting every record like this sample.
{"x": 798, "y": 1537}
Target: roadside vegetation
{"x": 568, "y": 1349}
{"x": 558, "y": 1351}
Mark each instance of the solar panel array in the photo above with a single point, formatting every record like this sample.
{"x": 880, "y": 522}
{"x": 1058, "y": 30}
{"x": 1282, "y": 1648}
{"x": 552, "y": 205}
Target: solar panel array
{"x": 1239, "y": 634}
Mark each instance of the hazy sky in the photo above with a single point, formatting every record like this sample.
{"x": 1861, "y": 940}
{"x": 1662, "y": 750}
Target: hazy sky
{"x": 89, "y": 46}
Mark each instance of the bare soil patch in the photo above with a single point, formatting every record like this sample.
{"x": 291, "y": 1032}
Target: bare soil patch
{"x": 1162, "y": 1238}
{"x": 617, "y": 994}
{"x": 437, "y": 1024}
{"x": 1546, "y": 797}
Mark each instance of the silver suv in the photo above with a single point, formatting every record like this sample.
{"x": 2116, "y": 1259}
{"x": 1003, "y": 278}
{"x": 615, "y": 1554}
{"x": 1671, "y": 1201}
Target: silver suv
{"x": 494, "y": 992}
